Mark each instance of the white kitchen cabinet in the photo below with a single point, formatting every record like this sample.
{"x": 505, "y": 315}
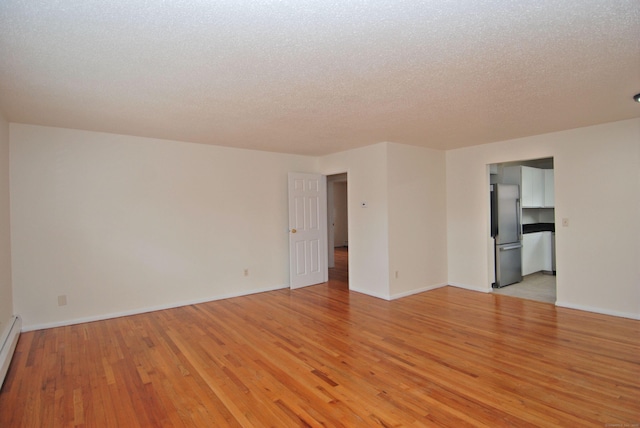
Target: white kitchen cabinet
{"x": 531, "y": 182}
{"x": 536, "y": 252}
{"x": 532, "y": 253}
{"x": 549, "y": 189}
{"x": 532, "y": 187}
{"x": 547, "y": 255}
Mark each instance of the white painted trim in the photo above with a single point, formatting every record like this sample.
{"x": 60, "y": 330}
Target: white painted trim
{"x": 417, "y": 291}
{"x": 147, "y": 309}
{"x": 369, "y": 293}
{"x": 8, "y": 343}
{"x": 598, "y": 310}
{"x": 470, "y": 287}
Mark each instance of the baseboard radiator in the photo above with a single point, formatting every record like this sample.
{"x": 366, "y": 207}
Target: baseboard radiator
{"x": 8, "y": 343}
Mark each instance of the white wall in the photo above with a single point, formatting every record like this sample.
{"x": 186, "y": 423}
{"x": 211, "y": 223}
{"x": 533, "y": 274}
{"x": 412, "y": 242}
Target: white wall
{"x": 402, "y": 226}
{"x": 120, "y": 224}
{"x": 6, "y": 295}
{"x": 597, "y": 187}
{"x": 417, "y": 213}
{"x": 368, "y": 227}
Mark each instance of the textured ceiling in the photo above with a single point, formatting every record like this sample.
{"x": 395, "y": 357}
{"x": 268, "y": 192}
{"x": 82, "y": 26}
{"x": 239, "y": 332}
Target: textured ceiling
{"x": 316, "y": 77}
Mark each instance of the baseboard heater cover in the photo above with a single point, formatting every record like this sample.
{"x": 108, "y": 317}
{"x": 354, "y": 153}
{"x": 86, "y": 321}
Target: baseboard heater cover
{"x": 8, "y": 343}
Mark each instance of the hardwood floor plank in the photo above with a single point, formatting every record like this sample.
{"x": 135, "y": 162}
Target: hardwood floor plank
{"x": 324, "y": 356}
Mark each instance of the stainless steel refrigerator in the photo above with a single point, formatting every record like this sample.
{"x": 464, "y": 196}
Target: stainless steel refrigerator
{"x": 506, "y": 230}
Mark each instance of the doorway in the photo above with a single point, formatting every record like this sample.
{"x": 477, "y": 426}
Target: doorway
{"x": 536, "y": 217}
{"x": 338, "y": 228}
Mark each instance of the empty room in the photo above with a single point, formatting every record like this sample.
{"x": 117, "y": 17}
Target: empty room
{"x": 305, "y": 213}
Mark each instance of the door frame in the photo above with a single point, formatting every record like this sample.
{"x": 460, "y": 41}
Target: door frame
{"x": 537, "y": 162}
{"x": 330, "y": 206}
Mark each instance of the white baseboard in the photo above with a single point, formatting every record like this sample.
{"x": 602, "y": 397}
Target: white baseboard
{"x": 369, "y": 293}
{"x": 470, "y": 287}
{"x": 399, "y": 295}
{"x": 417, "y": 291}
{"x": 145, "y": 310}
{"x": 8, "y": 342}
{"x": 598, "y": 310}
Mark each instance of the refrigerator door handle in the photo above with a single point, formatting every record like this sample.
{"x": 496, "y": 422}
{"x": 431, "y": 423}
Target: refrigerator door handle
{"x": 518, "y": 222}
{"x": 510, "y": 247}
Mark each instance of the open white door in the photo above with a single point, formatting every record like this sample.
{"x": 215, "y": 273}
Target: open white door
{"x": 307, "y": 229}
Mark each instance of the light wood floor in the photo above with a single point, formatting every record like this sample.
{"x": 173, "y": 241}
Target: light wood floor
{"x": 324, "y": 356}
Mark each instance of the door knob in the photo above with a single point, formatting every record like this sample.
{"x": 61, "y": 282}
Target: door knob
{"x": 293, "y": 231}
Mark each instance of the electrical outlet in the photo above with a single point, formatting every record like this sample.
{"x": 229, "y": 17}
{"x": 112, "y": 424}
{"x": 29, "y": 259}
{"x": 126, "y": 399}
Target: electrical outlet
{"x": 62, "y": 300}
{"x": 246, "y": 272}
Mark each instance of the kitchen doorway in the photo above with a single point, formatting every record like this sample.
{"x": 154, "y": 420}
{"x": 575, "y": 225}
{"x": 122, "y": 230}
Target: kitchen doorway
{"x": 535, "y": 216}
{"x": 338, "y": 228}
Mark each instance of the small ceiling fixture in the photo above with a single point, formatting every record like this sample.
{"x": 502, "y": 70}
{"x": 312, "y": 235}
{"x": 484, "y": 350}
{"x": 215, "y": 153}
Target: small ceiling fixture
{"x": 636, "y": 98}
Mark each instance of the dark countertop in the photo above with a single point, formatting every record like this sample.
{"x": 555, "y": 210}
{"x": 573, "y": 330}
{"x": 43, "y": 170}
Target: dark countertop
{"x": 538, "y": 227}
